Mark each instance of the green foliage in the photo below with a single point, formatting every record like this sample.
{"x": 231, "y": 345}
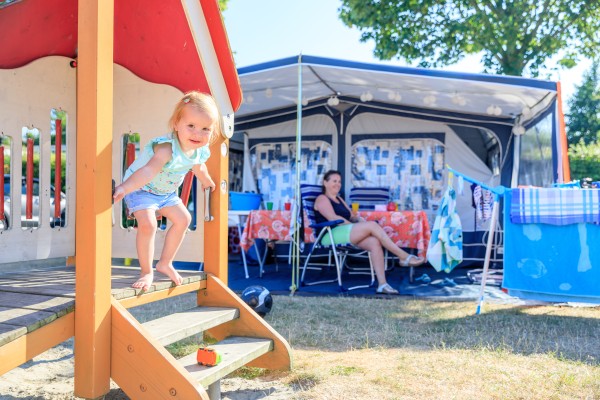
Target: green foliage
{"x": 63, "y": 170}
{"x": 223, "y": 5}
{"x": 250, "y": 372}
{"x": 584, "y": 109}
{"x": 515, "y": 37}
{"x": 34, "y": 135}
{"x": 53, "y": 139}
{"x": 585, "y": 161}
{"x": 133, "y": 138}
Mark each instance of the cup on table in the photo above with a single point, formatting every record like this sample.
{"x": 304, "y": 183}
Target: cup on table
{"x": 269, "y": 205}
{"x": 355, "y": 207}
{"x": 287, "y": 206}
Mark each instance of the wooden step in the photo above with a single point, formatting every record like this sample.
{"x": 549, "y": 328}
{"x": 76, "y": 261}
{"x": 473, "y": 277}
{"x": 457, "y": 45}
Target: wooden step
{"x": 235, "y": 353}
{"x": 174, "y": 327}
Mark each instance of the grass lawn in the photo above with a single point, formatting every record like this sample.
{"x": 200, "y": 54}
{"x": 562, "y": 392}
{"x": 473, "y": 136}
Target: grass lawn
{"x": 398, "y": 348}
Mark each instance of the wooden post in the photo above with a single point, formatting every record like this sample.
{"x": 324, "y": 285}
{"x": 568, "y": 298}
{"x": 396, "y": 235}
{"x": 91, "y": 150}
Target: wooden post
{"x": 215, "y": 231}
{"x": 93, "y": 222}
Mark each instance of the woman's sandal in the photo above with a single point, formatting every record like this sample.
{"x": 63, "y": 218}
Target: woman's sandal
{"x": 406, "y": 262}
{"x": 387, "y": 289}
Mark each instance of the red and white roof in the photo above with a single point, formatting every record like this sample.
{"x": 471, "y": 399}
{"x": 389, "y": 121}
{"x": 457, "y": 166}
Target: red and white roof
{"x": 158, "y": 40}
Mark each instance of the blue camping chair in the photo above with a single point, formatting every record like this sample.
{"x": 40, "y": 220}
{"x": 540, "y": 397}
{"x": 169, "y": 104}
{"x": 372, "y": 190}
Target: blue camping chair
{"x": 339, "y": 252}
{"x": 369, "y": 197}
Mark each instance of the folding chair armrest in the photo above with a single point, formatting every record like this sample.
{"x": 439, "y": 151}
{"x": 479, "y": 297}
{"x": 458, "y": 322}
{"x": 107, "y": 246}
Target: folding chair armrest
{"x": 327, "y": 223}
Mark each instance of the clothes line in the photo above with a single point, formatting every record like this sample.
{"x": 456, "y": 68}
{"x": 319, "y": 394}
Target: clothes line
{"x": 498, "y": 190}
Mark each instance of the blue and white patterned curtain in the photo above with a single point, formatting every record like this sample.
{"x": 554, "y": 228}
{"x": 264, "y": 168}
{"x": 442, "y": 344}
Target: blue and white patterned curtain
{"x": 411, "y": 168}
{"x": 274, "y": 167}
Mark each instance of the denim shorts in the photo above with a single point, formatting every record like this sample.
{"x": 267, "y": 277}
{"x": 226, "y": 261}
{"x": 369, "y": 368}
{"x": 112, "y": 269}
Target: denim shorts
{"x": 142, "y": 200}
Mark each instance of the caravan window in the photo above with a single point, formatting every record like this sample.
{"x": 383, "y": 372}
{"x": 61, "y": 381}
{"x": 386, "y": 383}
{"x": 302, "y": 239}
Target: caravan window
{"x": 274, "y": 167}
{"x": 535, "y": 159}
{"x": 411, "y": 168}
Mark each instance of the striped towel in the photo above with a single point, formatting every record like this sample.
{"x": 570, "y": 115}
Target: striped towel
{"x": 369, "y": 197}
{"x": 555, "y": 206}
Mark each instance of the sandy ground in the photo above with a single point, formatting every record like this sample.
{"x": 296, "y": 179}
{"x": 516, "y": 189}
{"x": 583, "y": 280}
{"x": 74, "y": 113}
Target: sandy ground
{"x": 50, "y": 376}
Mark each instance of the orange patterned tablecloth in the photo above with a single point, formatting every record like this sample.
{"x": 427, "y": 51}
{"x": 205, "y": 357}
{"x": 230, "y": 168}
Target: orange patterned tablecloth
{"x": 267, "y": 225}
{"x": 408, "y": 229}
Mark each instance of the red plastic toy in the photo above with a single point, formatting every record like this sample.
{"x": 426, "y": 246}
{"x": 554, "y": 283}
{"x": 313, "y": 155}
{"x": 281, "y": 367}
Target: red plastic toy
{"x": 208, "y": 356}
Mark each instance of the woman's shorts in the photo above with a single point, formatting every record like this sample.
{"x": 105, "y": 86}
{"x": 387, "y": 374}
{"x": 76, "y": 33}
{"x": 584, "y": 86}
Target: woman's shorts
{"x": 142, "y": 200}
{"x": 341, "y": 235}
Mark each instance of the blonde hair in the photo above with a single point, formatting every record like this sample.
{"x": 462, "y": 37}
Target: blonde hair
{"x": 202, "y": 102}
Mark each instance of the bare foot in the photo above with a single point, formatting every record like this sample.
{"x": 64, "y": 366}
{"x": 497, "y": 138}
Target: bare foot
{"x": 169, "y": 271}
{"x": 144, "y": 282}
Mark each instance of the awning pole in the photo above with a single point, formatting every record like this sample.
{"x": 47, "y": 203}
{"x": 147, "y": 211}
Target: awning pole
{"x": 488, "y": 251}
{"x": 564, "y": 172}
{"x": 297, "y": 211}
{"x": 498, "y": 192}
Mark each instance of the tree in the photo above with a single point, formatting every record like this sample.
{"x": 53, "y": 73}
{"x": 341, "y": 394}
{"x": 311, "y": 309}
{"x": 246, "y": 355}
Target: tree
{"x": 584, "y": 161}
{"x": 515, "y": 36}
{"x": 584, "y": 108}
{"x": 223, "y": 5}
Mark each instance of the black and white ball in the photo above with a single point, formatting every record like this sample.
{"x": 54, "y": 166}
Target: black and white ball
{"x": 258, "y": 298}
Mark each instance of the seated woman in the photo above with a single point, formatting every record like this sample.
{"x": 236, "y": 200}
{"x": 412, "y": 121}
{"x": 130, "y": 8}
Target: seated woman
{"x": 369, "y": 236}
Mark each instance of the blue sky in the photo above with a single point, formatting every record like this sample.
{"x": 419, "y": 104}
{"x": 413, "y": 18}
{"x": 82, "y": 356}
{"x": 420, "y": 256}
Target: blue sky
{"x": 266, "y": 30}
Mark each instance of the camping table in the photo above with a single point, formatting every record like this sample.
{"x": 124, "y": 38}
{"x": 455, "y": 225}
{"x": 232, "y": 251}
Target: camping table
{"x": 406, "y": 228}
{"x": 269, "y": 225}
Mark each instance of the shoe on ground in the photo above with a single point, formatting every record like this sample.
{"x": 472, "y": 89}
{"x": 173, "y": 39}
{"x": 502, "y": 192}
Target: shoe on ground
{"x": 387, "y": 289}
{"x": 423, "y": 279}
{"x": 448, "y": 282}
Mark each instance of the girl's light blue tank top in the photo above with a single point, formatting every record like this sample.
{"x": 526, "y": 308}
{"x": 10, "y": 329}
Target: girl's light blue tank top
{"x": 171, "y": 176}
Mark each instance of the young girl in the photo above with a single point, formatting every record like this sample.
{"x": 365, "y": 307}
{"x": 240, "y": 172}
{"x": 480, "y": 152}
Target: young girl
{"x": 151, "y": 182}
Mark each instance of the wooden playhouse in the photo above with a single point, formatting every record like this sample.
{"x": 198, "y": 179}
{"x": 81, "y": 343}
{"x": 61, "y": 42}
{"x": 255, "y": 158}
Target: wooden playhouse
{"x": 98, "y": 71}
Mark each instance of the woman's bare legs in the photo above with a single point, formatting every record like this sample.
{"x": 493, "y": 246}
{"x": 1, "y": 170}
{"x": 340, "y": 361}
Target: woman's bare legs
{"x": 362, "y": 230}
{"x": 144, "y": 242}
{"x": 180, "y": 220}
{"x": 372, "y": 245}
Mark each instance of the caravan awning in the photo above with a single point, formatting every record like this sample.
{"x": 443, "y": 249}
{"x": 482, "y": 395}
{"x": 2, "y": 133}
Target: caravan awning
{"x": 273, "y": 86}
{"x": 155, "y": 39}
